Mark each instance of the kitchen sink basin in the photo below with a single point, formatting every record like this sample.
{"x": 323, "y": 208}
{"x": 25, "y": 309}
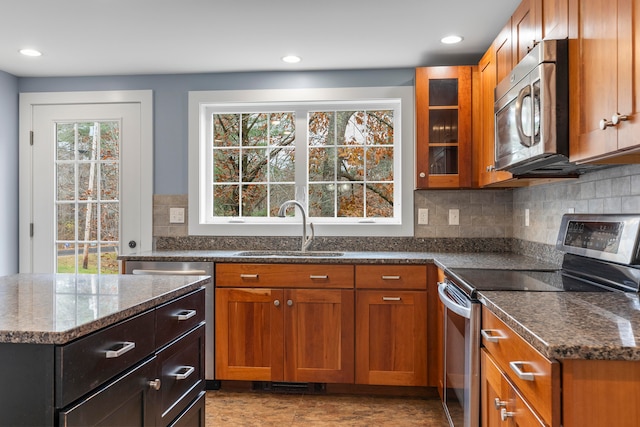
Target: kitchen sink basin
{"x": 285, "y": 254}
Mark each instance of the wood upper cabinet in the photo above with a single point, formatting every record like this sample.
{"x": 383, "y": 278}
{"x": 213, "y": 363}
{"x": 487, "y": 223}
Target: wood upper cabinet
{"x": 391, "y": 325}
{"x": 443, "y": 127}
{"x": 284, "y": 334}
{"x": 554, "y": 17}
{"x": 526, "y": 29}
{"x": 487, "y": 69}
{"x": 604, "y": 89}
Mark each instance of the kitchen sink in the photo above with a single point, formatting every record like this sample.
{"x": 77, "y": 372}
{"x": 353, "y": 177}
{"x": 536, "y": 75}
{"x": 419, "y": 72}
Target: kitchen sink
{"x": 277, "y": 253}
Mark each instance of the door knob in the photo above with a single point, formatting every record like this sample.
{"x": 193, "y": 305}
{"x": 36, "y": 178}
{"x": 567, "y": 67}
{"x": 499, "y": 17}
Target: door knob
{"x": 132, "y": 244}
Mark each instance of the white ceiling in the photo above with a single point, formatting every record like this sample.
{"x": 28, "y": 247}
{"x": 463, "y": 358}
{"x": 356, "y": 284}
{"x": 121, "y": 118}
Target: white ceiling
{"x": 125, "y": 37}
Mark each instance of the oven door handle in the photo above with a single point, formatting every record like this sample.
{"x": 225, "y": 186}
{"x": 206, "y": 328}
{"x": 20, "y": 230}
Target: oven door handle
{"x": 452, "y": 305}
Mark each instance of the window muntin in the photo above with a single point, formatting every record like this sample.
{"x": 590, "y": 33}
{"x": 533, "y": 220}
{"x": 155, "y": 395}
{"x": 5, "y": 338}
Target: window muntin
{"x": 344, "y": 174}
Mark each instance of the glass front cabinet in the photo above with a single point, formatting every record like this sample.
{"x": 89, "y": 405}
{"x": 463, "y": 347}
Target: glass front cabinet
{"x": 443, "y": 127}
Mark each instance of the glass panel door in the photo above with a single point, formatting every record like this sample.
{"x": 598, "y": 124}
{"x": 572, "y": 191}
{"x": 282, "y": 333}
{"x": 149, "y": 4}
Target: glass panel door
{"x": 87, "y": 198}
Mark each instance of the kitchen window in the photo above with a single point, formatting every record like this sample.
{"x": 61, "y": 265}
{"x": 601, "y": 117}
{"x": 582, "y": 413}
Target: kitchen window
{"x": 338, "y": 152}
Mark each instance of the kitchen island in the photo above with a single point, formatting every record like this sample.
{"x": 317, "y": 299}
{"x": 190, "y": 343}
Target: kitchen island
{"x": 89, "y": 349}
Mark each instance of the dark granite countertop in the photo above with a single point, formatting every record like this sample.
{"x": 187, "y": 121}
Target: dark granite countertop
{"x": 442, "y": 259}
{"x": 572, "y": 325}
{"x": 561, "y": 325}
{"x": 58, "y": 308}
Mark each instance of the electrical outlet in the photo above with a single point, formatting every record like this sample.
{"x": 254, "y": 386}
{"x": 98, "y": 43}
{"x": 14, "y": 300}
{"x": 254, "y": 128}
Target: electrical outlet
{"x": 454, "y": 216}
{"x": 176, "y": 215}
{"x": 526, "y": 217}
{"x": 423, "y": 216}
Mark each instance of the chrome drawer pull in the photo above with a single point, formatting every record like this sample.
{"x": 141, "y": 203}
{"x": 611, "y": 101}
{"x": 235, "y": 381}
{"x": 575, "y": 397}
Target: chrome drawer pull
{"x": 155, "y": 384}
{"x": 492, "y": 335}
{"x": 525, "y": 376}
{"x": 504, "y": 414}
{"x": 391, "y": 299}
{"x": 390, "y": 277}
{"x": 126, "y": 346}
{"x": 312, "y": 277}
{"x": 184, "y": 373}
{"x": 185, "y": 315}
{"x": 248, "y": 276}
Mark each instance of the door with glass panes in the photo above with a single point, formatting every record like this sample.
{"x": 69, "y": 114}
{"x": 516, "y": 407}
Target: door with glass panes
{"x": 86, "y": 192}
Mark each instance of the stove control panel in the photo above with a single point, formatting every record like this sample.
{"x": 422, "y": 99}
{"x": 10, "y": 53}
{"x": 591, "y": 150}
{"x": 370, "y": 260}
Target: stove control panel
{"x": 606, "y": 237}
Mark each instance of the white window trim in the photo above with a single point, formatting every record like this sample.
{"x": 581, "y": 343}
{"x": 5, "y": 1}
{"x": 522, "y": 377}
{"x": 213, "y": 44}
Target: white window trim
{"x": 291, "y": 226}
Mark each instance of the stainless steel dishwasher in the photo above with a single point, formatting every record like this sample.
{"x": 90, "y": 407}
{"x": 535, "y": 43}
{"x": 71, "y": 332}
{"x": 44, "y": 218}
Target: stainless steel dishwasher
{"x": 194, "y": 269}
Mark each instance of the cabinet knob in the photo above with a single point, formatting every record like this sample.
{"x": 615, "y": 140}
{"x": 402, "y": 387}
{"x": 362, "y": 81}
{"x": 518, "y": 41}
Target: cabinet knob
{"x": 617, "y": 118}
{"x": 604, "y": 124}
{"x": 289, "y": 302}
{"x": 276, "y": 303}
{"x": 422, "y": 174}
{"x": 504, "y": 414}
{"x": 491, "y": 168}
{"x": 497, "y": 403}
{"x": 155, "y": 384}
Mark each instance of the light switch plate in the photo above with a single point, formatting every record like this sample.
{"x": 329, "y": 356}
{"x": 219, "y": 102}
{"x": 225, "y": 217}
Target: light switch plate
{"x": 423, "y": 216}
{"x": 176, "y": 215}
{"x": 454, "y": 216}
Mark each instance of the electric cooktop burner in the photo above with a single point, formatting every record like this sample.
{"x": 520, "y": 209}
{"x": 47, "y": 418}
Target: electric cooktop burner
{"x": 519, "y": 280}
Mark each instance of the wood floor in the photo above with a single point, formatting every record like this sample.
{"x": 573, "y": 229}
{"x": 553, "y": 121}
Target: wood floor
{"x": 249, "y": 408}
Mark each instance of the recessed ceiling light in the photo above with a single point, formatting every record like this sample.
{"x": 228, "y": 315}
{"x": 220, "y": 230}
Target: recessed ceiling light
{"x": 451, "y": 39}
{"x": 291, "y": 59}
{"x": 30, "y": 52}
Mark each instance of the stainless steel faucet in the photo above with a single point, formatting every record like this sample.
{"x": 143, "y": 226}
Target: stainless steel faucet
{"x": 305, "y": 241}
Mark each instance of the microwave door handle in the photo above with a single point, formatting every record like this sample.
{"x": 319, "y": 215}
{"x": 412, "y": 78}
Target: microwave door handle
{"x": 537, "y": 112}
{"x": 524, "y": 92}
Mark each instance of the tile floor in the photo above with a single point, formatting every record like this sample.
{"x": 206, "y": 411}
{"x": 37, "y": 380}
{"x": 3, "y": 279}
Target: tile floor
{"x": 234, "y": 408}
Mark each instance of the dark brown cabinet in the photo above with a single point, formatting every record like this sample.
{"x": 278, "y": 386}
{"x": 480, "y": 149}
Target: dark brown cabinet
{"x": 146, "y": 370}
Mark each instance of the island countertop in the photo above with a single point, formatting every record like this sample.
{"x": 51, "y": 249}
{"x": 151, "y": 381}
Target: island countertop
{"x": 58, "y": 308}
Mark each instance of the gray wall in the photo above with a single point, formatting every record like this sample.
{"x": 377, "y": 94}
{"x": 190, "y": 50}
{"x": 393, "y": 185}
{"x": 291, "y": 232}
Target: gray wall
{"x": 171, "y": 103}
{"x": 8, "y": 174}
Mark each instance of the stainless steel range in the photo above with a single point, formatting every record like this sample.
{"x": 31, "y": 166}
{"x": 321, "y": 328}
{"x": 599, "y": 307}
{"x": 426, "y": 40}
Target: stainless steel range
{"x": 601, "y": 255}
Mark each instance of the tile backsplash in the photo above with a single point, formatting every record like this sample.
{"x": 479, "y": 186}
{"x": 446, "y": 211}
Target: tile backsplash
{"x": 489, "y": 215}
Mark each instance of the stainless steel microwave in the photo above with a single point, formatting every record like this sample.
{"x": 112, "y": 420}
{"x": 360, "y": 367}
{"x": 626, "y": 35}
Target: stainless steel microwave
{"x": 532, "y": 113}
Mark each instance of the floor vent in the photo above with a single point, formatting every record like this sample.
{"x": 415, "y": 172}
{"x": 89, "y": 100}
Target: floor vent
{"x": 289, "y": 387}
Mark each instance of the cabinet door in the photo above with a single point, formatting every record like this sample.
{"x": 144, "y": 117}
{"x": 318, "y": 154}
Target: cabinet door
{"x": 318, "y": 338}
{"x": 555, "y": 18}
{"x": 249, "y": 334}
{"x": 604, "y": 70}
{"x": 488, "y": 80}
{"x": 443, "y": 118}
{"x": 127, "y": 401}
{"x": 525, "y": 29}
{"x": 492, "y": 396}
{"x": 391, "y": 337}
{"x": 503, "y": 47}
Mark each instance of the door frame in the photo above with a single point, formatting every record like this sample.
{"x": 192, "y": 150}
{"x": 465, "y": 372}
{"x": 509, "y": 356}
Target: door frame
{"x": 25, "y": 205}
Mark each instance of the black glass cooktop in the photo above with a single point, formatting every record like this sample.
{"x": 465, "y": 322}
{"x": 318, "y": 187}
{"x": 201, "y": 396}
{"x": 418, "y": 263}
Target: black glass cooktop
{"x": 474, "y": 279}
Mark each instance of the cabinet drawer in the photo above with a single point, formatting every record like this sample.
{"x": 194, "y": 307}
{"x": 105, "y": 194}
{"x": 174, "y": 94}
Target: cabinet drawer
{"x": 284, "y": 275}
{"x": 391, "y": 276}
{"x": 124, "y": 401}
{"x": 181, "y": 371}
{"x": 194, "y": 416}
{"x": 89, "y": 362}
{"x": 537, "y": 378}
{"x": 177, "y": 317}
